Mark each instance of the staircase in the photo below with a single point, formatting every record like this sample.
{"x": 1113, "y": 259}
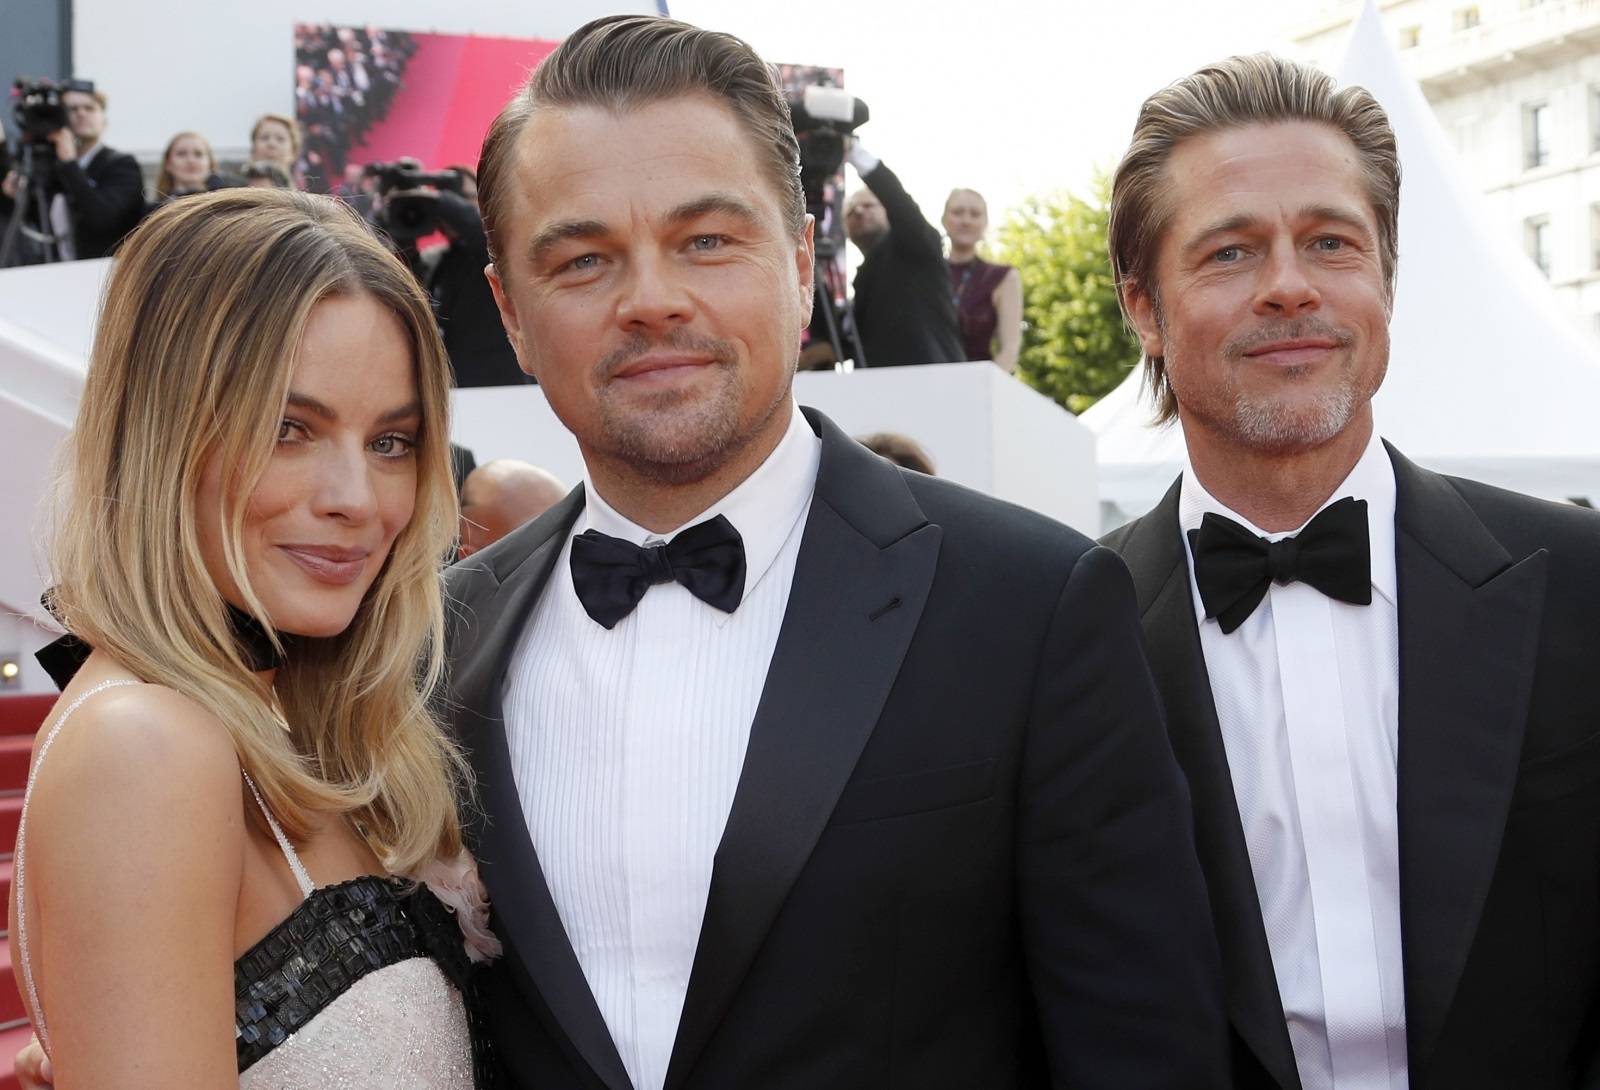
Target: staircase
{"x": 20, "y": 717}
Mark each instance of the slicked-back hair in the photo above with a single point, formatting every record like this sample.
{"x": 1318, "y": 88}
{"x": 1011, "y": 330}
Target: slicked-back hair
{"x": 623, "y": 62}
{"x": 1259, "y": 89}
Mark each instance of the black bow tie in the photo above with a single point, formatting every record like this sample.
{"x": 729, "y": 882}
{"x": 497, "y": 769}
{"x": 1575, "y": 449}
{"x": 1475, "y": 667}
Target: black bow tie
{"x": 1233, "y": 567}
{"x": 611, "y": 575}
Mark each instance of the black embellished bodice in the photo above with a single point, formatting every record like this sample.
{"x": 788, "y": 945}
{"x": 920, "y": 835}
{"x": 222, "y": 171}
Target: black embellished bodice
{"x": 334, "y": 938}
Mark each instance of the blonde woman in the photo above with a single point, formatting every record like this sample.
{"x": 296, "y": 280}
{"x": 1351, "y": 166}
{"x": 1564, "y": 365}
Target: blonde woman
{"x": 187, "y": 166}
{"x": 243, "y": 765}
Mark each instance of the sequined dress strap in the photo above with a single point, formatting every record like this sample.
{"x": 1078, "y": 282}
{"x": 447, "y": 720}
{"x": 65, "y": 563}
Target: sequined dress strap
{"x": 18, "y": 859}
{"x": 302, "y": 878}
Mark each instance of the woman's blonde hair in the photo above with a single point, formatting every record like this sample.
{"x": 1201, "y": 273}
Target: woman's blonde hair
{"x": 199, "y": 330}
{"x": 278, "y": 119}
{"x": 164, "y": 182}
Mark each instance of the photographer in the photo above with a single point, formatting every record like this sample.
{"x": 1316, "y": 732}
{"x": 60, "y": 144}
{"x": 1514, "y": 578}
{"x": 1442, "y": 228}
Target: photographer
{"x": 94, "y": 195}
{"x": 410, "y": 205}
{"x": 903, "y": 309}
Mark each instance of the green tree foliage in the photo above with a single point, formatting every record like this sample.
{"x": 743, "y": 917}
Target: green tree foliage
{"x": 1075, "y": 348}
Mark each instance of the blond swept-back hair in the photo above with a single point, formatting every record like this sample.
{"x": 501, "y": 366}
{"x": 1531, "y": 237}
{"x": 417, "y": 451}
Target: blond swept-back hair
{"x": 164, "y": 181}
{"x": 199, "y": 329}
{"x": 1259, "y": 89}
{"x": 622, "y": 62}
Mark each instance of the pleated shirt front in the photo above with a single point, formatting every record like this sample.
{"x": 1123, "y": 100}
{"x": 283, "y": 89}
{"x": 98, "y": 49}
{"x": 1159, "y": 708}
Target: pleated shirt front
{"x": 626, "y": 746}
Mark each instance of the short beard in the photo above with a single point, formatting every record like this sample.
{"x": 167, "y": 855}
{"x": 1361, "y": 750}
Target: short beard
{"x": 671, "y": 439}
{"x": 1274, "y": 428}
{"x": 1272, "y": 425}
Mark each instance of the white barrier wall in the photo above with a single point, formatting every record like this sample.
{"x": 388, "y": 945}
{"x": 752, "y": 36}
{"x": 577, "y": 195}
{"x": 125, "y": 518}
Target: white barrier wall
{"x": 981, "y": 427}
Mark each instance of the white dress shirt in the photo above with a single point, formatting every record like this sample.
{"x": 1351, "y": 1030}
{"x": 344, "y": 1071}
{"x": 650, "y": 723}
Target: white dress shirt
{"x": 1307, "y": 698}
{"x": 626, "y": 746}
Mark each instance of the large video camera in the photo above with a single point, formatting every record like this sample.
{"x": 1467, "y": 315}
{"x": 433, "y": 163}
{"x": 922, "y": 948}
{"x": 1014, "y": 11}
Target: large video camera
{"x": 410, "y": 197}
{"x": 823, "y": 118}
{"x": 38, "y": 107}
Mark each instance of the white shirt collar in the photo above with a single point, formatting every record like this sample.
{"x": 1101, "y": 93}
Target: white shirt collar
{"x": 1371, "y": 479}
{"x": 88, "y": 157}
{"x": 763, "y": 508}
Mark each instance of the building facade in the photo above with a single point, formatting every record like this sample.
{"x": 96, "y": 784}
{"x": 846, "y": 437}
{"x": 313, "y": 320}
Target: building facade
{"x": 1515, "y": 85}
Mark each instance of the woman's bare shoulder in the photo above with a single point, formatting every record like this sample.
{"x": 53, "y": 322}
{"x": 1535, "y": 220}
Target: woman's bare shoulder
{"x": 142, "y": 750}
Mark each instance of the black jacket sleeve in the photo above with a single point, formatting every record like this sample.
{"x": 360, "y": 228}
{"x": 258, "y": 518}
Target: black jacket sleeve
{"x": 909, "y": 231}
{"x": 109, "y": 204}
{"x": 1113, "y": 906}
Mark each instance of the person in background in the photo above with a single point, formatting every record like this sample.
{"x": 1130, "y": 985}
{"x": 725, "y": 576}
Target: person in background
{"x": 988, "y": 297}
{"x": 96, "y": 195}
{"x": 276, "y": 139}
{"x": 501, "y": 495}
{"x": 902, "y": 450}
{"x": 188, "y": 166}
{"x": 903, "y": 310}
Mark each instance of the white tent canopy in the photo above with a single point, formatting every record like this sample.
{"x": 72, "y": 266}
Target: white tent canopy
{"x": 1488, "y": 378}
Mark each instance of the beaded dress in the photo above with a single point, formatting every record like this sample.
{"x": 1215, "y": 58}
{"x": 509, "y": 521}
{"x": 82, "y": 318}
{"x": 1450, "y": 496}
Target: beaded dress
{"x": 364, "y": 986}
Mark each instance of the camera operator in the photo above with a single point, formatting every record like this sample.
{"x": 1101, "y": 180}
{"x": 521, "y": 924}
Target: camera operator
{"x": 95, "y": 194}
{"x": 903, "y": 309}
{"x": 410, "y": 205}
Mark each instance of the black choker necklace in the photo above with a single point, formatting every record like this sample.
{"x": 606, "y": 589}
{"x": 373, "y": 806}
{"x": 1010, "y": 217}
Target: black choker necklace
{"x": 63, "y": 658}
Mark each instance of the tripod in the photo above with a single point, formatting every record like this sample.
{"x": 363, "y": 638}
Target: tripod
{"x": 835, "y": 317}
{"x": 30, "y": 190}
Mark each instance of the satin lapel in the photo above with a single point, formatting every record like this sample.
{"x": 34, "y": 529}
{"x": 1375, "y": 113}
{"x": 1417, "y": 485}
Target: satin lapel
{"x": 1153, "y": 551}
{"x": 1469, "y": 633}
{"x": 524, "y": 913}
{"x": 866, "y": 564}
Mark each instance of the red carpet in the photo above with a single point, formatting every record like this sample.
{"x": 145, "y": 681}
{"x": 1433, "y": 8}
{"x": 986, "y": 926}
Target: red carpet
{"x": 454, "y": 86}
{"x": 20, "y": 717}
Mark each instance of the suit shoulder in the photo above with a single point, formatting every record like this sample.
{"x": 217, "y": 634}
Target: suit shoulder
{"x": 1117, "y": 540}
{"x": 1009, "y": 532}
{"x": 1526, "y": 521}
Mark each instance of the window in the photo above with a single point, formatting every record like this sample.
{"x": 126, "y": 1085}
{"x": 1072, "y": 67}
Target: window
{"x": 1594, "y": 236}
{"x": 1464, "y": 18}
{"x": 1536, "y": 240}
{"x": 1409, "y": 37}
{"x": 1535, "y": 135}
{"x": 1594, "y": 119}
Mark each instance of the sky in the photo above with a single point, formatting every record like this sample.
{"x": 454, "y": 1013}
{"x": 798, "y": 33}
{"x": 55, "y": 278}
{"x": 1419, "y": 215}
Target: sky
{"x": 1009, "y": 97}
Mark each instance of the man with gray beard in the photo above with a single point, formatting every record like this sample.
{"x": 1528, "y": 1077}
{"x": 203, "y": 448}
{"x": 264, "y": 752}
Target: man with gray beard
{"x": 1378, "y": 680}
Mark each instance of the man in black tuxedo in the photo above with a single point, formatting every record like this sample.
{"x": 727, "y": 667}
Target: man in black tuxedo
{"x": 1377, "y": 679}
{"x": 95, "y": 193}
{"x": 859, "y": 781}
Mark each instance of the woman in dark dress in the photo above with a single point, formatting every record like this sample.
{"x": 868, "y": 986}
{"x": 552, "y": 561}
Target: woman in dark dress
{"x": 988, "y": 297}
{"x": 240, "y": 862}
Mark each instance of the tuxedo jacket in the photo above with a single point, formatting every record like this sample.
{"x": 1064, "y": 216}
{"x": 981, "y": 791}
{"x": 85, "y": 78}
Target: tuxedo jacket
{"x": 960, "y": 853}
{"x": 1498, "y": 783}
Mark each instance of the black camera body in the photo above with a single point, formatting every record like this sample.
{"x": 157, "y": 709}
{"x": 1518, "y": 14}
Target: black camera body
{"x": 38, "y": 107}
{"x": 823, "y": 117}
{"x": 410, "y": 197}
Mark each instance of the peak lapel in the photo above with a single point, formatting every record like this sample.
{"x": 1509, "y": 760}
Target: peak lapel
{"x": 1153, "y": 551}
{"x": 866, "y": 564}
{"x": 1469, "y": 633}
{"x": 524, "y": 913}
